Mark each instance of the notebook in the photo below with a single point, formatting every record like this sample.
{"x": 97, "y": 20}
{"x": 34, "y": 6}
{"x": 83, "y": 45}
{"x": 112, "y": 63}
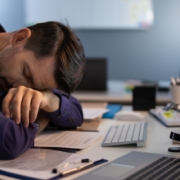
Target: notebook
{"x": 136, "y": 166}
{"x": 113, "y": 109}
{"x": 168, "y": 118}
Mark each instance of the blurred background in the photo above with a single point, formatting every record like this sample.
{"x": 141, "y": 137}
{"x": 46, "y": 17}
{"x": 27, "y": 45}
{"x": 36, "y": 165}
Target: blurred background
{"x": 152, "y": 53}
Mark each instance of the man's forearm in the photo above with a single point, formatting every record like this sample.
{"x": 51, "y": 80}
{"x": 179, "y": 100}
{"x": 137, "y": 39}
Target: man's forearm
{"x": 42, "y": 121}
{"x": 15, "y": 139}
{"x": 69, "y": 115}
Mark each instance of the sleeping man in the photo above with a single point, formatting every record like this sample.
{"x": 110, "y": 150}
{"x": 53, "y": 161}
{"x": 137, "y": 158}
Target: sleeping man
{"x": 39, "y": 67}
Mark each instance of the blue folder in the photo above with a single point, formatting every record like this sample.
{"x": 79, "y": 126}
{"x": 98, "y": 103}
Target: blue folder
{"x": 113, "y": 109}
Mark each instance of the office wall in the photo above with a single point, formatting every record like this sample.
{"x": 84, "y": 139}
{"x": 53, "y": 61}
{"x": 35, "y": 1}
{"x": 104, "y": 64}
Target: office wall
{"x": 12, "y": 14}
{"x": 153, "y": 54}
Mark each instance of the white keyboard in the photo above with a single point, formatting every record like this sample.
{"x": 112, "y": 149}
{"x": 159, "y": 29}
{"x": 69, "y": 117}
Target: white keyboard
{"x": 127, "y": 133}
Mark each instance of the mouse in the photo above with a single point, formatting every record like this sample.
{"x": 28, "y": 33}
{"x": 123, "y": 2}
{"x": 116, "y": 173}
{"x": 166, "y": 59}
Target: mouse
{"x": 128, "y": 115}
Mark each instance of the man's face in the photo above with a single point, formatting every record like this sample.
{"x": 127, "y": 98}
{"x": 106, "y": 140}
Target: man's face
{"x": 20, "y": 67}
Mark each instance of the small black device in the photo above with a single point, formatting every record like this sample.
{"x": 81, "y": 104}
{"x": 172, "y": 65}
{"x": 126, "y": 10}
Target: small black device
{"x": 144, "y": 97}
{"x": 175, "y": 136}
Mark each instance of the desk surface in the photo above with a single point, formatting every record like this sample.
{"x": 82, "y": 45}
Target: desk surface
{"x": 158, "y": 141}
{"x": 116, "y": 93}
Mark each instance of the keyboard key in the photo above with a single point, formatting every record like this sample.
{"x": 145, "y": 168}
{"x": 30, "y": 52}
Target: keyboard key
{"x": 136, "y": 132}
{"x": 142, "y": 131}
{"x": 124, "y": 133}
{"x": 111, "y": 134}
{"x": 117, "y": 135}
{"x": 130, "y": 132}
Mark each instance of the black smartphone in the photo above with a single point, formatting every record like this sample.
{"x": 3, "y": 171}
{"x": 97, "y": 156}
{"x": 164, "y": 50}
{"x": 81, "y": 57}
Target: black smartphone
{"x": 2, "y": 29}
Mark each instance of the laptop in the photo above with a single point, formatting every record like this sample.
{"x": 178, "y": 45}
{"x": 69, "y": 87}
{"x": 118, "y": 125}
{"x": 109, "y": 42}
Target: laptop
{"x": 95, "y": 75}
{"x": 136, "y": 166}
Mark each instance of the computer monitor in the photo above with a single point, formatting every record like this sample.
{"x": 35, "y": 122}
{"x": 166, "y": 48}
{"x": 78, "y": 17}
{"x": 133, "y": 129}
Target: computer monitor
{"x": 95, "y": 75}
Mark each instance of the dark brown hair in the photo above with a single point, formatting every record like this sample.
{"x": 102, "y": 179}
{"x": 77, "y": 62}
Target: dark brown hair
{"x": 55, "y": 38}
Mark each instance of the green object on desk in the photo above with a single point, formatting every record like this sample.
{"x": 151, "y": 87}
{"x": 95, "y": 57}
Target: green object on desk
{"x": 113, "y": 109}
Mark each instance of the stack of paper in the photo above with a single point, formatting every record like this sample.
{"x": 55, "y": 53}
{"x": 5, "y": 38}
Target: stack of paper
{"x": 93, "y": 113}
{"x": 34, "y": 163}
{"x": 39, "y": 163}
{"x": 66, "y": 139}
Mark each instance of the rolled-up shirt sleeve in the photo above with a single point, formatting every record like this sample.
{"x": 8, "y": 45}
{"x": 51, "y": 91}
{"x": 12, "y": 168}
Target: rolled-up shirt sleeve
{"x": 69, "y": 115}
{"x": 15, "y": 139}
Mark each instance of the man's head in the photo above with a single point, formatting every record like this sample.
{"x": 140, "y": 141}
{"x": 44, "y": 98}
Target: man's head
{"x": 44, "y": 56}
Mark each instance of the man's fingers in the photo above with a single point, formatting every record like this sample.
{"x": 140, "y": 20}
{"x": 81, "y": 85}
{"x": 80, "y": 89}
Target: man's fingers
{"x": 15, "y": 106}
{"x": 23, "y": 104}
{"x": 35, "y": 103}
{"x": 26, "y": 107}
{"x": 6, "y": 104}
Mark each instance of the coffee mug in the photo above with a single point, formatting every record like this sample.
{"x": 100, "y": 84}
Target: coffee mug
{"x": 175, "y": 94}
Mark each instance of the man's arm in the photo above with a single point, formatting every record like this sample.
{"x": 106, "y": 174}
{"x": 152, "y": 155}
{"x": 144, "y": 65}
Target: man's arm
{"x": 15, "y": 139}
{"x": 23, "y": 104}
{"x": 69, "y": 115}
{"x": 42, "y": 121}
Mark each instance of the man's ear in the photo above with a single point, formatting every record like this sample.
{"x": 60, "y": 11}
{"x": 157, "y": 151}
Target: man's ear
{"x": 20, "y": 36}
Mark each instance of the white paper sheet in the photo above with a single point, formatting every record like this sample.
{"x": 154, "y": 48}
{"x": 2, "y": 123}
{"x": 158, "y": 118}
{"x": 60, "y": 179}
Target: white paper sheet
{"x": 38, "y": 163}
{"x": 66, "y": 139}
{"x": 37, "y": 159}
{"x": 92, "y": 113}
{"x": 44, "y": 175}
{"x": 8, "y": 178}
{"x": 35, "y": 163}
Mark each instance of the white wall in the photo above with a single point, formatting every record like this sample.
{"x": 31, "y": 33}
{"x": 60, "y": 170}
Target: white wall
{"x": 12, "y": 14}
{"x": 92, "y": 14}
{"x": 153, "y": 54}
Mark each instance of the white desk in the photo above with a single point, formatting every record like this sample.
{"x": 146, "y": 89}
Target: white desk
{"x": 116, "y": 93}
{"x": 158, "y": 141}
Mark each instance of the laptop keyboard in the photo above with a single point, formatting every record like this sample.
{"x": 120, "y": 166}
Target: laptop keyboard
{"x": 165, "y": 168}
{"x": 127, "y": 133}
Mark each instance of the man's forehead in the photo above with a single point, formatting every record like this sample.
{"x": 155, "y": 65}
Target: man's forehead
{"x": 42, "y": 76}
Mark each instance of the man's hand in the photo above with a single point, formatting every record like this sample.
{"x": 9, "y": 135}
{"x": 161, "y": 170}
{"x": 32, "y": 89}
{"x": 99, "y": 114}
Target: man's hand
{"x": 23, "y": 104}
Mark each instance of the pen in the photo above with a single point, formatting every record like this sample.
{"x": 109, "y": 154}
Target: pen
{"x": 85, "y": 163}
{"x": 76, "y": 169}
{"x": 173, "y": 82}
{"x": 178, "y": 81}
